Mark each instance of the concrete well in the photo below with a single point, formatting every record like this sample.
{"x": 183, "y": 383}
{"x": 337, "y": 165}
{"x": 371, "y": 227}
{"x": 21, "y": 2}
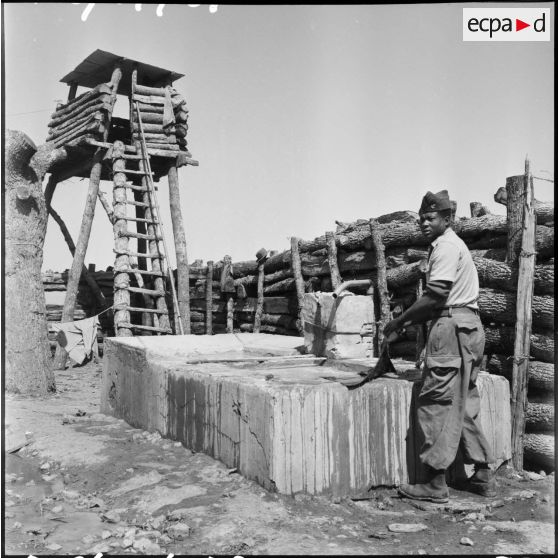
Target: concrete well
{"x": 283, "y": 422}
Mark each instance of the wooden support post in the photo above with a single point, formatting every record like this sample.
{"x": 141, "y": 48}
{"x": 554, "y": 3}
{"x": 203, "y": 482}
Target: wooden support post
{"x": 515, "y": 203}
{"x": 332, "y": 259}
{"x": 262, "y": 257}
{"x": 73, "y": 90}
{"x": 48, "y": 193}
{"x": 182, "y": 270}
{"x": 299, "y": 280}
{"x": 525, "y": 253}
{"x": 79, "y": 256}
{"x": 227, "y": 290}
{"x": 381, "y": 279}
{"x": 91, "y": 283}
{"x": 453, "y": 205}
{"x": 209, "y": 299}
{"x": 121, "y": 243}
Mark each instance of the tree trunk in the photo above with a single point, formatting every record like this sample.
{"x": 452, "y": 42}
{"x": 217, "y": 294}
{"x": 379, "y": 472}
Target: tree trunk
{"x": 28, "y": 369}
{"x": 182, "y": 270}
{"x": 409, "y": 234}
{"x": 540, "y": 377}
{"x": 539, "y": 417}
{"x": 500, "y": 307}
{"x": 539, "y": 449}
{"x": 500, "y": 275}
{"x": 501, "y": 340}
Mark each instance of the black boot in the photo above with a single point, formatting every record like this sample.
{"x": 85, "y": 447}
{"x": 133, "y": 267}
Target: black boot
{"x": 435, "y": 490}
{"x": 482, "y": 481}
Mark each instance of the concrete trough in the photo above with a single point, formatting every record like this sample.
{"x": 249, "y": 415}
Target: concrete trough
{"x": 257, "y": 404}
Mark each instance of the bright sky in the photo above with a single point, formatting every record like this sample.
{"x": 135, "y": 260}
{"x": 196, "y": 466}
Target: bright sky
{"x": 299, "y": 115}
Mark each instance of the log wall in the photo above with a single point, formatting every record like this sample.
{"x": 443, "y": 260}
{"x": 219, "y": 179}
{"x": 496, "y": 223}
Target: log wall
{"x": 405, "y": 253}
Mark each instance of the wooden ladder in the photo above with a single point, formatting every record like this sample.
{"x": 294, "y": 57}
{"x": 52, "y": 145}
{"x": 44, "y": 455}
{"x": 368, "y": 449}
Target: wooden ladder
{"x": 151, "y": 283}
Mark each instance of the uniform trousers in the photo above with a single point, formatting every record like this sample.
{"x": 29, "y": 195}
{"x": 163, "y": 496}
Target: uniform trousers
{"x": 448, "y": 404}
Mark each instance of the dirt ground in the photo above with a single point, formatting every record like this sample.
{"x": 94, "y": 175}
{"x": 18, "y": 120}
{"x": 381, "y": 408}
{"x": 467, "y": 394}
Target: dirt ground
{"x": 87, "y": 483}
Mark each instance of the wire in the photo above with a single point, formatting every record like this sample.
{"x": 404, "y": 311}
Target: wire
{"x": 541, "y": 178}
{"x": 30, "y": 112}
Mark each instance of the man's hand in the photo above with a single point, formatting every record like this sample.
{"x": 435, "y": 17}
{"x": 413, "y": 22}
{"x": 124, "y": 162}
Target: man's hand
{"x": 392, "y": 327}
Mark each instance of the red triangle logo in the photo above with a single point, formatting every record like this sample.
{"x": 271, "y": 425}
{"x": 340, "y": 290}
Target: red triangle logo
{"x": 519, "y": 25}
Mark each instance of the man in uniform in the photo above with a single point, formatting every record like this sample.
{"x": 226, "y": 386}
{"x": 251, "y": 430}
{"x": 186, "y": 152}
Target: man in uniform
{"x": 448, "y": 403}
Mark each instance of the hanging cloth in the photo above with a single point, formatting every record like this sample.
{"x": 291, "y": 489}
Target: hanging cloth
{"x": 78, "y": 338}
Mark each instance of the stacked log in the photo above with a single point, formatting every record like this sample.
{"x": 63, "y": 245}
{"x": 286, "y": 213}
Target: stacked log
{"x": 164, "y": 117}
{"x": 84, "y": 117}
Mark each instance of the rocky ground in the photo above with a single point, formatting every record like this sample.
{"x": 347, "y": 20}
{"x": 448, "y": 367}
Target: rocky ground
{"x": 84, "y": 483}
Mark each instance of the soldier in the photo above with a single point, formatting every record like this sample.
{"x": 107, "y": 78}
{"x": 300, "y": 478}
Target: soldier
{"x": 448, "y": 403}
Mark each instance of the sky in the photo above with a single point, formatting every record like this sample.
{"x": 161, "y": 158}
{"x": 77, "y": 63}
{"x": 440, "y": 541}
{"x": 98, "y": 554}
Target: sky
{"x": 298, "y": 115}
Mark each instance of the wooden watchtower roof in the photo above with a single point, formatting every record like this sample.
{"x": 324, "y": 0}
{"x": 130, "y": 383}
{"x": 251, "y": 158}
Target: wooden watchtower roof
{"x": 86, "y": 123}
{"x": 98, "y": 66}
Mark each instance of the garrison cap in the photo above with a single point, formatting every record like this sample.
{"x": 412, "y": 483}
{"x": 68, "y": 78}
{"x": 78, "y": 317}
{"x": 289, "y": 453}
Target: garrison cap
{"x": 435, "y": 202}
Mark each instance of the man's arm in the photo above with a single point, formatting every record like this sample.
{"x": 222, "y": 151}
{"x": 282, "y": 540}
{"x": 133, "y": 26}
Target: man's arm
{"x": 435, "y": 295}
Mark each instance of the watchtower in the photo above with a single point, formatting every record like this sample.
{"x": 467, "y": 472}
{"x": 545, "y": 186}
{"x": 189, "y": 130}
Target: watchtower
{"x": 86, "y": 140}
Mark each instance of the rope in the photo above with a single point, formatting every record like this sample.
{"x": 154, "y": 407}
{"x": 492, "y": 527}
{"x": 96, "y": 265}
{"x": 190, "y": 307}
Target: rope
{"x": 524, "y": 254}
{"x": 519, "y": 359}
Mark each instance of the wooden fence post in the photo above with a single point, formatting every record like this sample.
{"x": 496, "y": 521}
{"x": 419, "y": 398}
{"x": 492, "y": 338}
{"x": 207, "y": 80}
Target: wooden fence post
{"x": 228, "y": 289}
{"x": 524, "y": 251}
{"x": 299, "y": 280}
{"x": 381, "y": 279}
{"x": 261, "y": 256}
{"x": 209, "y": 299}
{"x": 332, "y": 260}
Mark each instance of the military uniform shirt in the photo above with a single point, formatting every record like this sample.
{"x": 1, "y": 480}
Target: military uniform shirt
{"x": 450, "y": 260}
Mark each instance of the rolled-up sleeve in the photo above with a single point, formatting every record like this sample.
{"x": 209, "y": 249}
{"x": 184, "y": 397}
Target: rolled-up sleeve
{"x": 443, "y": 262}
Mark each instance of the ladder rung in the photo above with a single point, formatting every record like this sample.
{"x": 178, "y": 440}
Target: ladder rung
{"x": 147, "y": 328}
{"x": 140, "y": 271}
{"x": 145, "y": 291}
{"x": 140, "y": 235}
{"x": 149, "y": 99}
{"x": 150, "y": 310}
{"x": 139, "y": 220}
{"x": 139, "y": 204}
{"x": 133, "y": 157}
{"x": 137, "y": 188}
{"x": 128, "y": 171}
{"x": 155, "y": 256}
